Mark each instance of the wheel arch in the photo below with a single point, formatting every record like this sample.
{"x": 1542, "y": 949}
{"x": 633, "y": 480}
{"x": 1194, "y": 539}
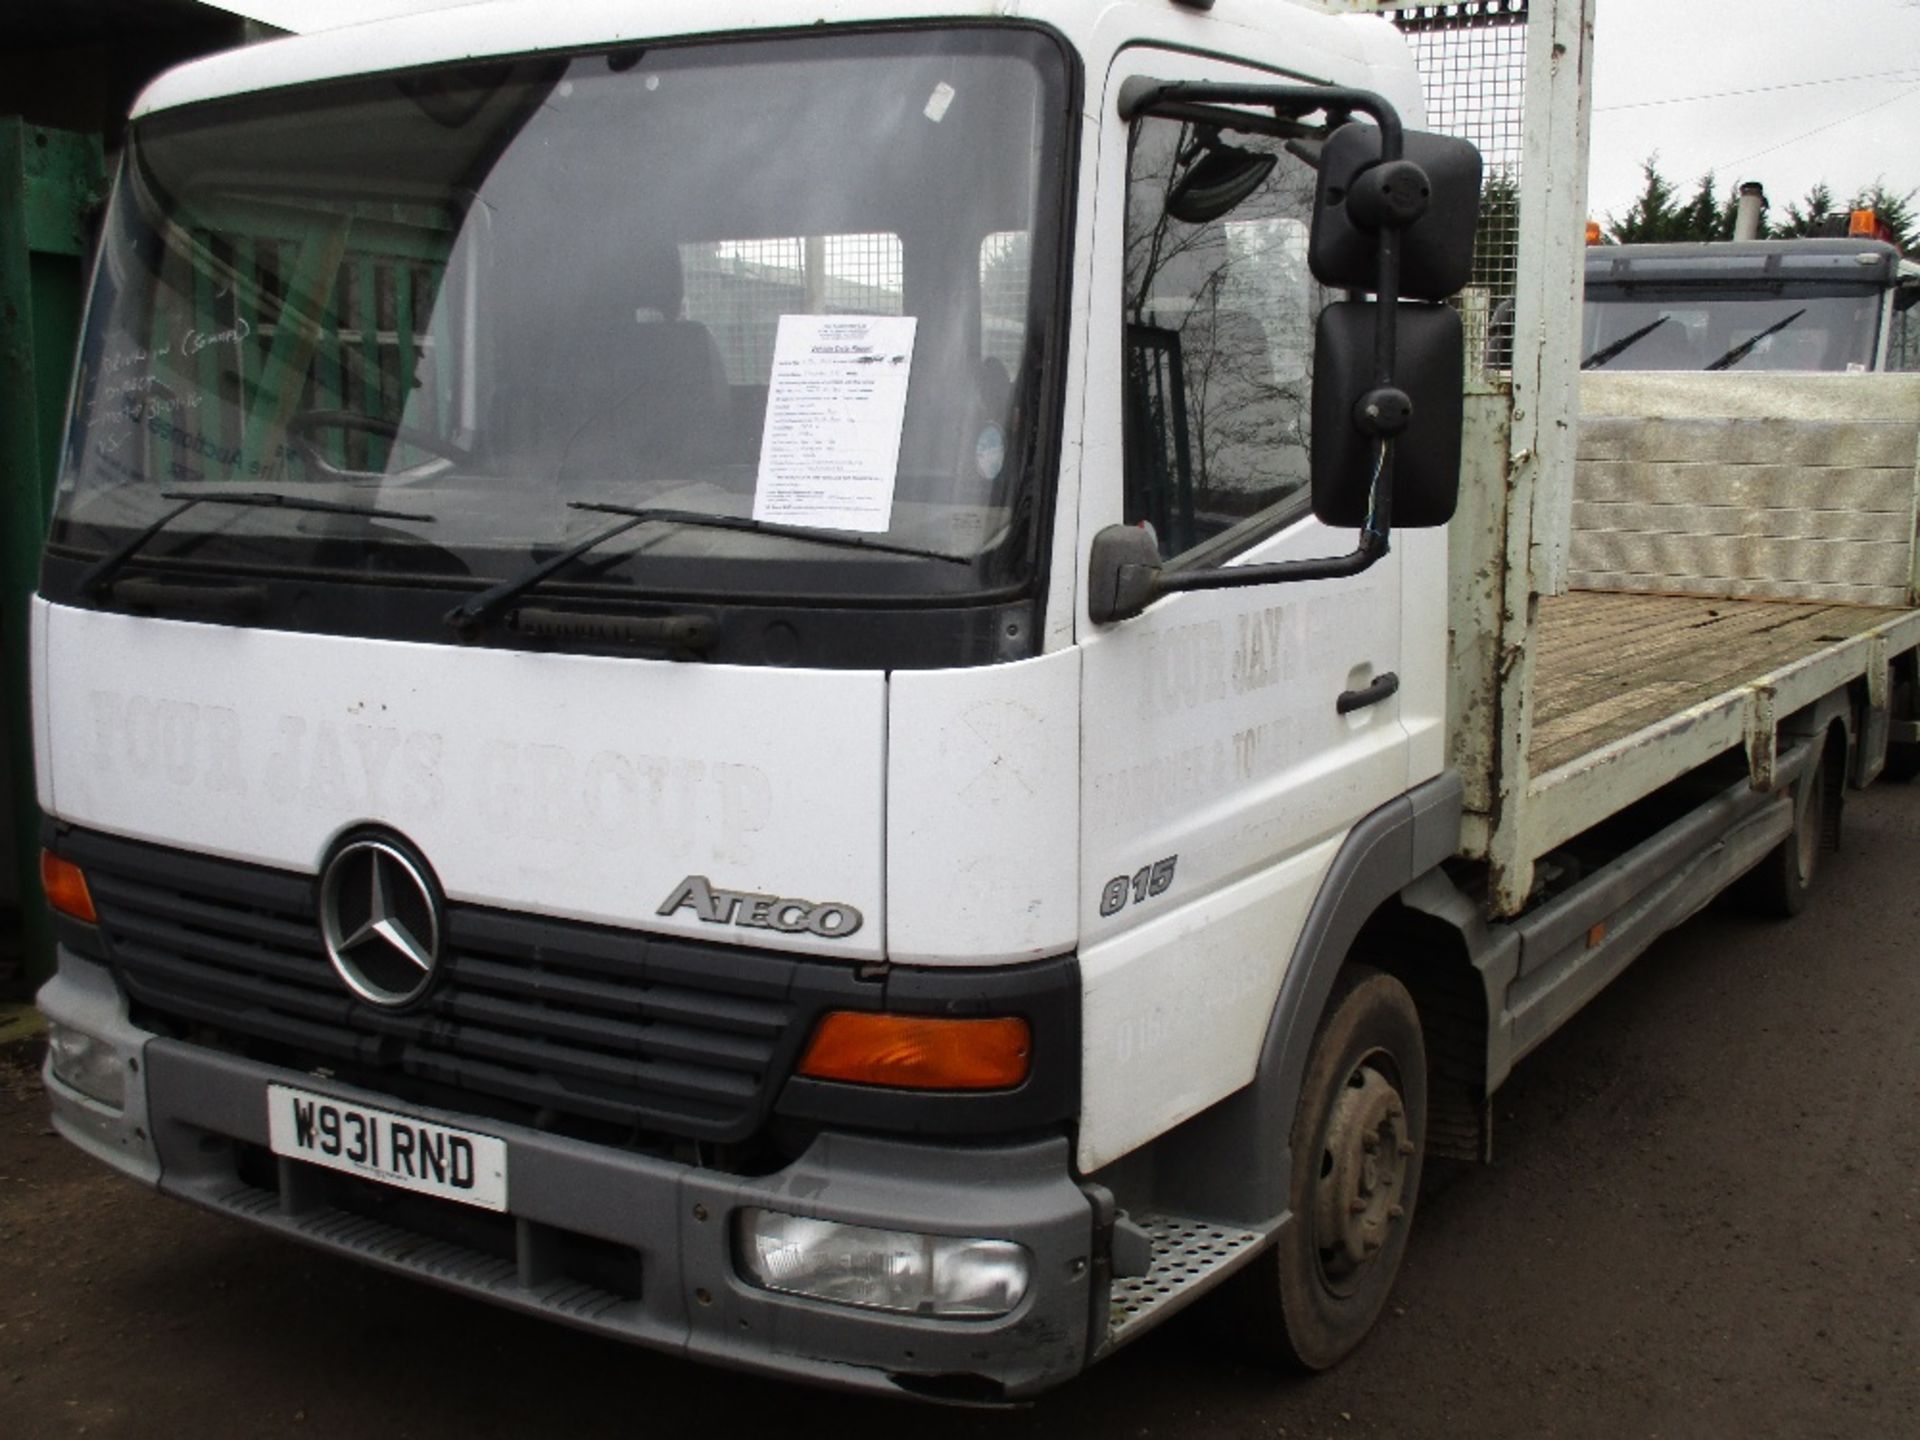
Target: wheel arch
{"x": 1232, "y": 1160}
{"x": 1420, "y": 940}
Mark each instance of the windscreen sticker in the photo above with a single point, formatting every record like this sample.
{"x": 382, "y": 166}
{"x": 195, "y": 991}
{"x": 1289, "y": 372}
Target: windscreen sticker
{"x": 990, "y": 451}
{"x": 836, "y": 407}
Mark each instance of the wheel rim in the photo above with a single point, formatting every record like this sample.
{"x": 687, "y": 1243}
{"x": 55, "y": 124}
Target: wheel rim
{"x": 1364, "y": 1161}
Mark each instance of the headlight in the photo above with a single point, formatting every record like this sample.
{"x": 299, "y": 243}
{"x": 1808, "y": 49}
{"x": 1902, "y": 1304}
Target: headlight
{"x": 91, "y": 1066}
{"x": 936, "y": 1275}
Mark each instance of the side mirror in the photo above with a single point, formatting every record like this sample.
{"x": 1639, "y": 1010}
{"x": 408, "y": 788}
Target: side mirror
{"x": 1430, "y": 372}
{"x": 1123, "y": 571}
{"x": 1388, "y": 375}
{"x": 1356, "y": 195}
{"x": 1218, "y": 180}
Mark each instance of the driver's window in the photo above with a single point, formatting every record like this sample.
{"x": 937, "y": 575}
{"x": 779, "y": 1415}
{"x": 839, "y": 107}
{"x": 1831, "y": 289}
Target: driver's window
{"x": 1219, "y": 323}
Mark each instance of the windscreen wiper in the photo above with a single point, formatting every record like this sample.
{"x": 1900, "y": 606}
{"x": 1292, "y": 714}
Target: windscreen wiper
{"x": 1623, "y": 344}
{"x": 1745, "y": 348}
{"x": 700, "y": 519}
{"x": 100, "y": 574}
{"x": 471, "y": 615}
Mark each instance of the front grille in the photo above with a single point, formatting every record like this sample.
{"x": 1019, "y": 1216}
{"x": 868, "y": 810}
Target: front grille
{"x": 550, "y": 1019}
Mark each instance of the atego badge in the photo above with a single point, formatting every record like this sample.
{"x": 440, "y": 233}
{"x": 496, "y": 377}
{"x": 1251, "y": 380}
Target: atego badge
{"x": 830, "y": 919}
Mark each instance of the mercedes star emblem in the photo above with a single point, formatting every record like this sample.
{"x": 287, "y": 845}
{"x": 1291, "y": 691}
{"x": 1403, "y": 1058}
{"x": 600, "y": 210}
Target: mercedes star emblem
{"x": 381, "y": 922}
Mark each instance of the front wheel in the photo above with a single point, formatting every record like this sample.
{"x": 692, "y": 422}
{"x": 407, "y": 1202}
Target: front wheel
{"x": 1358, "y": 1136}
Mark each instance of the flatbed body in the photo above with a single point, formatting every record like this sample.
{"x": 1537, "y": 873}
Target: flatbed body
{"x": 1737, "y": 547}
{"x": 1631, "y": 692}
{"x": 1616, "y": 669}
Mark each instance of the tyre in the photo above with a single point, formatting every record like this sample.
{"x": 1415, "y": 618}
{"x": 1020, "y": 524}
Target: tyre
{"x": 1358, "y": 1136}
{"x": 1779, "y": 885}
{"x": 1903, "y": 760}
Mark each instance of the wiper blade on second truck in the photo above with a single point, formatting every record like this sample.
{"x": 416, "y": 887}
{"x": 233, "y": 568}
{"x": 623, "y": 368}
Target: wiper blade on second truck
{"x": 100, "y": 575}
{"x": 470, "y": 616}
{"x": 1623, "y": 344}
{"x": 1745, "y": 348}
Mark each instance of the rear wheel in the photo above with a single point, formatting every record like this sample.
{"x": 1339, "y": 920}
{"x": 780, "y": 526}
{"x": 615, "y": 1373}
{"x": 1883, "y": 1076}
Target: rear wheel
{"x": 1903, "y": 758}
{"x": 1358, "y": 1136}
{"x": 1779, "y": 885}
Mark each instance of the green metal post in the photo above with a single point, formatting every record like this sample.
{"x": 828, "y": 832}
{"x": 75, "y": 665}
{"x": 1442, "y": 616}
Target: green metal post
{"x": 50, "y": 182}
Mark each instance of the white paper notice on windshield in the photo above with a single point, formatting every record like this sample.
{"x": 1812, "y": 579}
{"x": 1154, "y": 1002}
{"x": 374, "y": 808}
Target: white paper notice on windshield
{"x": 836, "y": 405}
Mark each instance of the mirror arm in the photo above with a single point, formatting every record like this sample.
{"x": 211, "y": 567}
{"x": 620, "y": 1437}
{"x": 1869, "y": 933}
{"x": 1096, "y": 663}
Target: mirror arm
{"x": 1141, "y": 94}
{"x": 1373, "y": 546}
{"x": 1221, "y": 118}
{"x": 1136, "y": 586}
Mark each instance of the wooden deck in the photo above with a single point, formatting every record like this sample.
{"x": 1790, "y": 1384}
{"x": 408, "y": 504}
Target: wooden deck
{"x": 1610, "y": 665}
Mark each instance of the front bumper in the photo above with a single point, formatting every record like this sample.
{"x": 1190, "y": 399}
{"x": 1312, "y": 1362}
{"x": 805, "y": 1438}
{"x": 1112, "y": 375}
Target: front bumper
{"x": 195, "y": 1125}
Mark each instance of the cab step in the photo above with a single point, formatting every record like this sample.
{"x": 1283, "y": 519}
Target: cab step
{"x": 1190, "y": 1256}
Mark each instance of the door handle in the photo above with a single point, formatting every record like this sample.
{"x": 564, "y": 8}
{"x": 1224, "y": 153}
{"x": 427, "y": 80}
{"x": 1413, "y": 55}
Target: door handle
{"x": 1384, "y": 687}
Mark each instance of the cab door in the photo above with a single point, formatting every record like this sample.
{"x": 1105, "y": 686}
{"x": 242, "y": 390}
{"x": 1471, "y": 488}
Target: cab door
{"x": 1221, "y": 766}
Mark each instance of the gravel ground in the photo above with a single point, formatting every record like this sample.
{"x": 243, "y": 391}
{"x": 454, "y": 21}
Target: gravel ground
{"x": 1704, "y": 1221}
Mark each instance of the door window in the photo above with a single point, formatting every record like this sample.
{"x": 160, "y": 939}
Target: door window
{"x": 1219, "y": 324}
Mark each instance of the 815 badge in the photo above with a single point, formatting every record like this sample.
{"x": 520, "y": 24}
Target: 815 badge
{"x": 1147, "y": 881}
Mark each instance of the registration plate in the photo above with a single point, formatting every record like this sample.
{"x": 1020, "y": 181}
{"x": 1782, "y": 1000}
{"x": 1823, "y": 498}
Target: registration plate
{"x": 391, "y": 1148}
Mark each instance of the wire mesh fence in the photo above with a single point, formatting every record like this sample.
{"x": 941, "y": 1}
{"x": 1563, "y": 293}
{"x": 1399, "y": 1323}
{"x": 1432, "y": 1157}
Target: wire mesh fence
{"x": 1006, "y": 257}
{"x": 739, "y": 289}
{"x": 1473, "y": 71}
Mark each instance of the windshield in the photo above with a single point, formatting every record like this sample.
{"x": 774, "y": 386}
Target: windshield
{"x": 803, "y": 282}
{"x": 1785, "y": 327}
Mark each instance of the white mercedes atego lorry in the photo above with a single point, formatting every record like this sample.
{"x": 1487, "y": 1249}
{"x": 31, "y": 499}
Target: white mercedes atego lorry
{"x": 856, "y": 687}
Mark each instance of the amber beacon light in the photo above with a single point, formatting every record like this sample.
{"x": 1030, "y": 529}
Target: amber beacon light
{"x": 66, "y": 887}
{"x": 918, "y": 1052}
{"x": 1866, "y": 224}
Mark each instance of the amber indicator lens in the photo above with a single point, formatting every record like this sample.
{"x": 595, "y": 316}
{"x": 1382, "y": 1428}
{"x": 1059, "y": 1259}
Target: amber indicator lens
{"x": 917, "y": 1052}
{"x": 66, "y": 888}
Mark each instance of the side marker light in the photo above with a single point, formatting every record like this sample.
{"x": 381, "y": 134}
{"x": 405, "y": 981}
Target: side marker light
{"x": 66, "y": 887}
{"x": 919, "y": 1052}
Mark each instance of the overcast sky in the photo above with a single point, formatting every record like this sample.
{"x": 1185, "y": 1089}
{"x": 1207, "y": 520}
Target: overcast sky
{"x": 1848, "y": 134}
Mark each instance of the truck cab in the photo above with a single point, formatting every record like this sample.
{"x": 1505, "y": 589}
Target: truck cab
{"x": 1841, "y": 305}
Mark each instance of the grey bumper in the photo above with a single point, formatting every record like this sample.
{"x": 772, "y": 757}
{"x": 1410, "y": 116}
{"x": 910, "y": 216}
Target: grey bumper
{"x": 83, "y": 997}
{"x": 201, "y": 1119}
